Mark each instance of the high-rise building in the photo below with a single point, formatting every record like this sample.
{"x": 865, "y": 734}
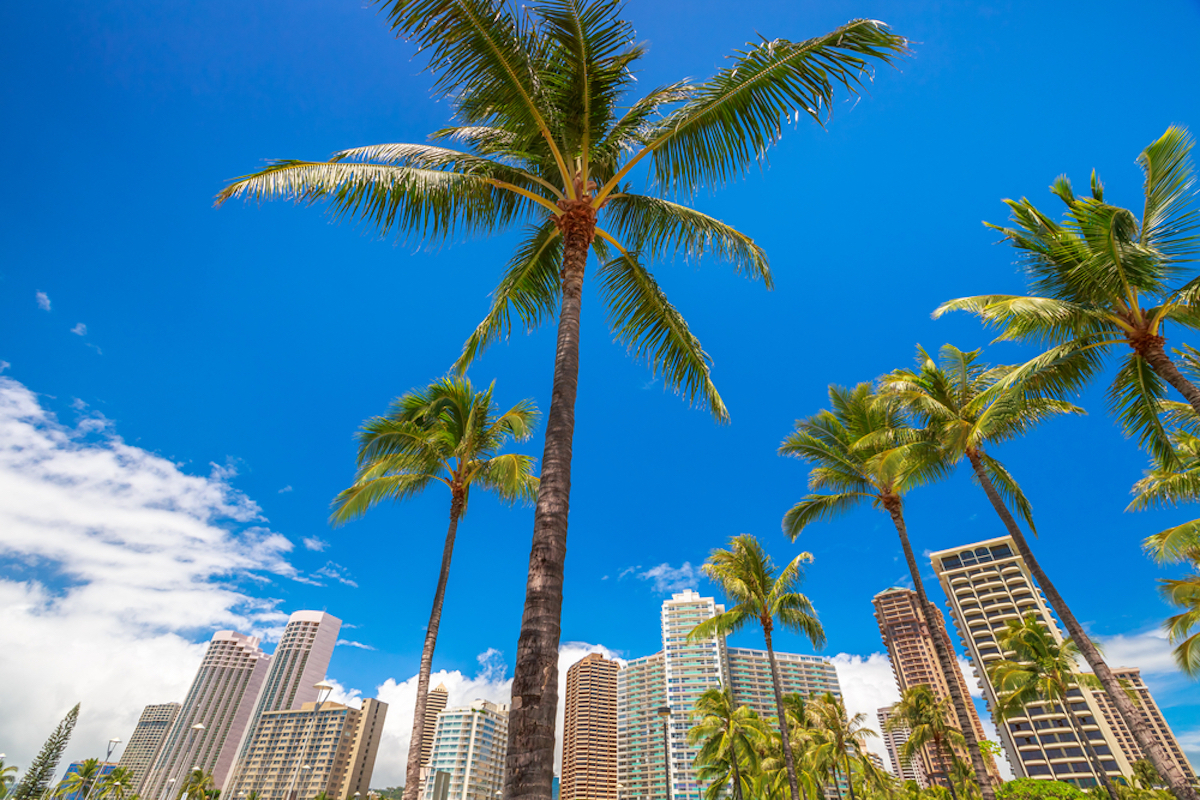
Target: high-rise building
{"x": 893, "y": 740}
{"x": 988, "y": 584}
{"x": 106, "y": 767}
{"x": 435, "y": 703}
{"x": 1131, "y": 681}
{"x": 589, "y": 764}
{"x": 297, "y": 665}
{"x": 470, "y": 744}
{"x": 907, "y": 634}
{"x": 146, "y": 741}
{"x": 303, "y": 752}
{"x": 876, "y": 761}
{"x": 676, "y": 677}
{"x": 222, "y": 699}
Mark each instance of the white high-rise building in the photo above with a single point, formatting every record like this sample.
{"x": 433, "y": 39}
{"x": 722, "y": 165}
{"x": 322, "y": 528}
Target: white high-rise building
{"x": 222, "y": 699}
{"x": 147, "y": 739}
{"x": 470, "y": 743}
{"x": 904, "y": 769}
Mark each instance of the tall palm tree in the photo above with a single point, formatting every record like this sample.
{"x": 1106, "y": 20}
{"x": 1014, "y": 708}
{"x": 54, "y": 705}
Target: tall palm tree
{"x": 844, "y": 734}
{"x": 925, "y": 716}
{"x": 746, "y": 574}
{"x": 863, "y": 450}
{"x": 1105, "y": 279}
{"x": 197, "y": 785}
{"x": 117, "y": 785}
{"x": 550, "y": 138}
{"x": 446, "y": 433}
{"x": 1037, "y": 668}
{"x": 8, "y": 777}
{"x": 730, "y": 738}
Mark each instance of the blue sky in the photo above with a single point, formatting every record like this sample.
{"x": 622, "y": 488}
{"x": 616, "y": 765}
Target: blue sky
{"x": 257, "y": 338}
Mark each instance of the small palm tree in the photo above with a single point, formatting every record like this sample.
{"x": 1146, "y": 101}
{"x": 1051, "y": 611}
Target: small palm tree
{"x": 730, "y": 739}
{"x": 1041, "y": 669}
{"x": 117, "y": 785}
{"x": 747, "y": 576}
{"x": 925, "y": 716}
{"x": 80, "y": 782}
{"x": 864, "y": 450}
{"x": 843, "y": 734}
{"x": 8, "y": 777}
{"x": 197, "y": 785}
{"x": 447, "y": 433}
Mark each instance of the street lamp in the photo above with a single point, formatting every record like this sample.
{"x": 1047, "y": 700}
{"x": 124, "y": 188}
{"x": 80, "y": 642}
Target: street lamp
{"x": 112, "y": 745}
{"x": 323, "y": 688}
{"x": 665, "y": 713}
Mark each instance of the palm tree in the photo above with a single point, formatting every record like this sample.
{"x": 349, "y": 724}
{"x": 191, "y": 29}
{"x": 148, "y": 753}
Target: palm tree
{"x": 8, "y": 777}
{"x": 446, "y": 433}
{"x": 539, "y": 101}
{"x": 864, "y": 451}
{"x": 746, "y": 574}
{"x": 1040, "y": 669}
{"x": 844, "y": 734}
{"x": 79, "y": 783}
{"x": 925, "y": 716}
{"x": 1174, "y": 546}
{"x": 117, "y": 785}
{"x": 730, "y": 737}
{"x": 197, "y": 785}
{"x": 1105, "y": 280}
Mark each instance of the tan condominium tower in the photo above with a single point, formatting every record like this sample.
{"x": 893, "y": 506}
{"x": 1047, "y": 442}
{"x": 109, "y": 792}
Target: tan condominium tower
{"x": 435, "y": 703}
{"x": 304, "y": 752}
{"x": 213, "y": 716}
{"x": 146, "y": 741}
{"x": 1131, "y": 680}
{"x": 589, "y": 763}
{"x": 989, "y": 584}
{"x": 893, "y": 740}
{"x": 907, "y": 633}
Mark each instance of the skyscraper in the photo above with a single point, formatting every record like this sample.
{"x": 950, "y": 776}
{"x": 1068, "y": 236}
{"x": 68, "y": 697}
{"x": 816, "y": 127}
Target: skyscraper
{"x": 146, "y": 741}
{"x": 221, "y": 698}
{"x": 297, "y": 665}
{"x": 589, "y": 765}
{"x": 907, "y": 635}
{"x": 988, "y": 584}
{"x": 435, "y": 703}
{"x": 902, "y": 768}
{"x": 641, "y": 691}
{"x": 749, "y": 676}
{"x": 310, "y": 751}
{"x": 470, "y": 744}
{"x": 1131, "y": 681}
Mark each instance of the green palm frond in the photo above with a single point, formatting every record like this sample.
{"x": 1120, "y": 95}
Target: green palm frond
{"x": 1174, "y": 544}
{"x": 645, "y": 321}
{"x": 1169, "y": 217}
{"x": 509, "y": 476}
{"x": 630, "y": 133}
{"x": 821, "y": 508}
{"x": 1036, "y": 319}
{"x": 1010, "y": 491}
{"x": 355, "y": 501}
{"x": 1135, "y": 396}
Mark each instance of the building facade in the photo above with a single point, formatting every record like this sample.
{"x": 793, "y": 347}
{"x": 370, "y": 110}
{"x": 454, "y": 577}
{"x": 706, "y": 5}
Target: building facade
{"x": 893, "y": 740}
{"x": 435, "y": 703}
{"x": 589, "y": 764}
{"x": 300, "y": 753}
{"x": 749, "y": 676}
{"x": 146, "y": 741}
{"x": 470, "y": 744}
{"x": 1131, "y": 680}
{"x": 907, "y": 633}
{"x": 988, "y": 584}
{"x": 106, "y": 767}
{"x": 641, "y": 692}
{"x": 221, "y": 698}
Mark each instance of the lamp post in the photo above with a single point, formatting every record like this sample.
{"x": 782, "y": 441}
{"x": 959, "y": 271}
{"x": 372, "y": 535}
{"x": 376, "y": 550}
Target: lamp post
{"x": 665, "y": 713}
{"x": 112, "y": 745}
{"x": 322, "y": 687}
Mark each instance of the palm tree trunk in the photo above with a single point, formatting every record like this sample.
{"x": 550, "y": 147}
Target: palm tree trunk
{"x": 412, "y": 776}
{"x": 737, "y": 780}
{"x": 947, "y": 753}
{"x": 529, "y": 764}
{"x": 788, "y": 760}
{"x": 849, "y": 777}
{"x": 947, "y": 663}
{"x": 1133, "y": 718}
{"x": 1153, "y": 349}
{"x": 1097, "y": 767}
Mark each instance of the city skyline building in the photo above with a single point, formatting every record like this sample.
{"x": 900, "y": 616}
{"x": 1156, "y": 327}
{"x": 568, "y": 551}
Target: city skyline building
{"x": 589, "y": 763}
{"x": 1131, "y": 681}
{"x": 435, "y": 703}
{"x": 641, "y": 691}
{"x": 989, "y": 584}
{"x": 907, "y": 634}
{"x": 106, "y": 768}
{"x": 221, "y": 699}
{"x": 307, "y": 751}
{"x": 146, "y": 741}
{"x": 893, "y": 741}
{"x": 470, "y": 744}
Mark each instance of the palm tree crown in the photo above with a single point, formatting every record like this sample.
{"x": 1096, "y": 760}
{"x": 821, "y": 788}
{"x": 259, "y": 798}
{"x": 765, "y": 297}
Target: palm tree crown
{"x": 730, "y": 739}
{"x": 925, "y": 716}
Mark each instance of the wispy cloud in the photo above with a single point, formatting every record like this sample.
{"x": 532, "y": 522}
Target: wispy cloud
{"x": 315, "y": 543}
{"x": 628, "y": 571}
{"x": 95, "y": 347}
{"x": 43, "y": 301}
{"x": 672, "y": 579}
{"x": 286, "y": 489}
{"x": 337, "y": 572}
{"x": 359, "y": 645}
{"x": 80, "y": 329}
{"x": 4, "y": 365}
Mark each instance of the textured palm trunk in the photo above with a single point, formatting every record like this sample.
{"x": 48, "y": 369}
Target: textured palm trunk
{"x": 412, "y": 778}
{"x": 1093, "y": 757}
{"x": 788, "y": 760}
{"x": 529, "y": 765}
{"x": 1133, "y": 718}
{"x": 948, "y": 664}
{"x": 849, "y": 777}
{"x": 947, "y": 760}
{"x": 733, "y": 763}
{"x": 1153, "y": 349}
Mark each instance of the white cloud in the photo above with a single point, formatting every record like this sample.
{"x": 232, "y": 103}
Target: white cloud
{"x": 359, "y": 645}
{"x": 43, "y": 301}
{"x": 968, "y": 672}
{"x": 108, "y": 549}
{"x": 336, "y": 571}
{"x": 315, "y": 543}
{"x": 286, "y": 489}
{"x": 868, "y": 685}
{"x": 95, "y": 347}
{"x": 80, "y": 329}
{"x": 4, "y": 365}
{"x": 628, "y": 571}
{"x": 672, "y": 579}
{"x": 1147, "y": 650}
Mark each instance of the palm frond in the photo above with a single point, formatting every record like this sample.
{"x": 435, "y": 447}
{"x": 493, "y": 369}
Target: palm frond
{"x": 820, "y": 508}
{"x": 1010, "y": 491}
{"x": 1177, "y": 543}
{"x": 1135, "y": 395}
{"x": 363, "y": 495}
{"x": 1169, "y": 217}
{"x": 1037, "y": 319}
{"x": 509, "y": 476}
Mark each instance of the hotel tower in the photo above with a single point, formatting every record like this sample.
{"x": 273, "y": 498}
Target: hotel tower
{"x": 146, "y": 740}
{"x": 589, "y": 763}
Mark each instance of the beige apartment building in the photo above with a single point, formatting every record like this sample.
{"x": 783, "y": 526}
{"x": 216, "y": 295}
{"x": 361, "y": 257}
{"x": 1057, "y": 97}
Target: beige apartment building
{"x": 435, "y": 703}
{"x": 893, "y": 740}
{"x": 300, "y": 753}
{"x": 1131, "y": 679}
{"x": 147, "y": 740}
{"x": 907, "y": 634}
{"x": 589, "y": 764}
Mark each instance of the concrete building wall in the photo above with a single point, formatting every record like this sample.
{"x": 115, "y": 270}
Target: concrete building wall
{"x": 904, "y": 769}
{"x": 589, "y": 764}
{"x": 470, "y": 744}
{"x": 641, "y": 691}
{"x": 363, "y": 749}
{"x": 147, "y": 739}
{"x": 1132, "y": 681}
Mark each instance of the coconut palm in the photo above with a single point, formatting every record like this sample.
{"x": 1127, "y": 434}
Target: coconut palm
{"x": 197, "y": 785}
{"x": 1105, "y": 279}
{"x": 550, "y": 139}
{"x": 8, "y": 777}
{"x": 446, "y": 433}
{"x": 1038, "y": 668}
{"x": 843, "y": 734}
{"x": 80, "y": 782}
{"x": 925, "y": 717}
{"x": 746, "y": 574}
{"x": 730, "y": 738}
{"x": 117, "y": 785}
{"x": 863, "y": 450}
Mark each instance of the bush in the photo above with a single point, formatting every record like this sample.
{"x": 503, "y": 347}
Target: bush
{"x": 1030, "y": 789}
